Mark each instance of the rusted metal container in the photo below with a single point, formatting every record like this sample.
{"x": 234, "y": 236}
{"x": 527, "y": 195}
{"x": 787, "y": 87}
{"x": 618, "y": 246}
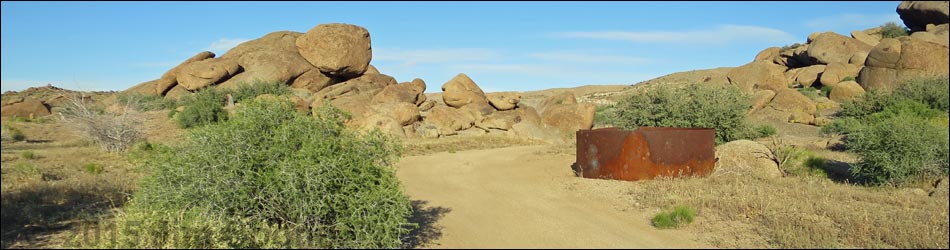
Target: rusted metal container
{"x": 647, "y": 153}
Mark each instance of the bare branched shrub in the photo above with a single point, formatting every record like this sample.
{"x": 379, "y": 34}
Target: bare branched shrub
{"x": 114, "y": 133}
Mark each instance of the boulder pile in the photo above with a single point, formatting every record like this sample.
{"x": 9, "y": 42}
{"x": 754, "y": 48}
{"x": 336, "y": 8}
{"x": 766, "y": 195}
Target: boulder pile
{"x": 832, "y": 68}
{"x": 330, "y": 64}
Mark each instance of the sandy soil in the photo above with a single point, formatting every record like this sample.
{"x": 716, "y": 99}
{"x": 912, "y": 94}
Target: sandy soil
{"x": 524, "y": 197}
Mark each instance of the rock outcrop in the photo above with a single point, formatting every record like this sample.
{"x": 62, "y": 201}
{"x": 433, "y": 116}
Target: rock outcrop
{"x": 894, "y": 61}
{"x": 338, "y": 50}
{"x": 918, "y": 14}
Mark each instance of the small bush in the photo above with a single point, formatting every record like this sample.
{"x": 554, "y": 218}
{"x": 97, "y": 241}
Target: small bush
{"x": 8, "y": 133}
{"x": 763, "y": 131}
{"x": 20, "y": 119}
{"x": 269, "y": 177}
{"x": 900, "y": 149}
{"x": 601, "y": 116}
{"x": 27, "y": 155}
{"x": 202, "y": 108}
{"x": 692, "y": 106}
{"x": 825, "y": 91}
{"x": 25, "y": 168}
{"x": 790, "y": 47}
{"x": 93, "y": 168}
{"x": 142, "y": 102}
{"x": 680, "y": 215}
{"x": 114, "y": 133}
{"x": 893, "y": 30}
{"x": 928, "y": 90}
{"x": 248, "y": 91}
{"x": 810, "y": 92}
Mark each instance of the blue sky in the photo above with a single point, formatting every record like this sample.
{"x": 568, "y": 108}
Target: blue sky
{"x": 516, "y": 46}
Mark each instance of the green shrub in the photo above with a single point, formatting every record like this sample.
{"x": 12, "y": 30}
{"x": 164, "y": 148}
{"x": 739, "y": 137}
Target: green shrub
{"x": 25, "y": 168}
{"x": 202, "y": 108}
{"x": 680, "y": 215}
{"x": 763, "y": 131}
{"x": 893, "y": 30}
{"x": 928, "y": 90}
{"x": 93, "y": 168}
{"x": 20, "y": 119}
{"x": 790, "y": 47}
{"x": 143, "y": 102}
{"x": 27, "y": 155}
{"x": 692, "y": 106}
{"x": 270, "y": 177}
{"x": 847, "y": 78}
{"x": 900, "y": 149}
{"x": 8, "y": 133}
{"x": 810, "y": 92}
{"x": 825, "y": 91}
{"x": 248, "y": 91}
{"x": 601, "y": 116}
{"x": 900, "y": 135}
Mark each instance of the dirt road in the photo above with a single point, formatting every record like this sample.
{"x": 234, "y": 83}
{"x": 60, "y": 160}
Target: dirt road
{"x": 524, "y": 197}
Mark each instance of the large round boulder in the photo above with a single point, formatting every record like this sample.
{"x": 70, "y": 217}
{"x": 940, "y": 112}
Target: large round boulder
{"x": 170, "y": 78}
{"x": 569, "y": 117}
{"x": 461, "y": 91}
{"x": 338, "y": 50}
{"x": 272, "y": 58}
{"x": 846, "y": 91}
{"x": 400, "y": 93}
{"x": 504, "y": 100}
{"x": 917, "y": 14}
{"x": 800, "y": 107}
{"x": 894, "y": 61}
{"x": 447, "y": 120}
{"x": 835, "y": 72}
{"x": 830, "y": 47}
{"x": 27, "y": 108}
{"x": 312, "y": 81}
{"x": 200, "y": 74}
{"x": 758, "y": 75}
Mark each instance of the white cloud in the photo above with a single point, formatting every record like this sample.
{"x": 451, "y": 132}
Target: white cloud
{"x": 853, "y": 21}
{"x": 224, "y": 44}
{"x": 580, "y": 57}
{"x": 411, "y": 57}
{"x": 720, "y": 35}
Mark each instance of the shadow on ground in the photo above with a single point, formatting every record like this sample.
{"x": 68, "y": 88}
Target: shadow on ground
{"x": 427, "y": 231}
{"x": 32, "y": 214}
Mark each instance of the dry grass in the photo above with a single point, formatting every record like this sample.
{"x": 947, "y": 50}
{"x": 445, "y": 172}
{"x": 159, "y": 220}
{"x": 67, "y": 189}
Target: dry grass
{"x": 461, "y": 143}
{"x": 802, "y": 212}
{"x": 47, "y": 200}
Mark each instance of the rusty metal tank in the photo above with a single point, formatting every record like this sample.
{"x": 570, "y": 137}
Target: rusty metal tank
{"x": 646, "y": 153}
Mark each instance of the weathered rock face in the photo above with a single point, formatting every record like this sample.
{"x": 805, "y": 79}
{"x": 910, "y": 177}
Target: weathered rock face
{"x": 807, "y": 76}
{"x": 830, "y": 47}
{"x": 447, "y": 120}
{"x": 504, "y": 100}
{"x": 568, "y": 117}
{"x": 461, "y": 91}
{"x": 312, "y": 81}
{"x": 170, "y": 78}
{"x": 835, "y": 72}
{"x": 761, "y": 98}
{"x": 403, "y": 92}
{"x": 201, "y": 74}
{"x": 560, "y": 98}
{"x": 801, "y": 108}
{"x": 25, "y": 108}
{"x": 917, "y": 14}
{"x": 502, "y": 120}
{"x": 338, "y": 50}
{"x": 758, "y": 75}
{"x": 745, "y": 158}
{"x": 846, "y": 91}
{"x": 768, "y": 54}
{"x": 272, "y": 58}
{"x": 894, "y": 61}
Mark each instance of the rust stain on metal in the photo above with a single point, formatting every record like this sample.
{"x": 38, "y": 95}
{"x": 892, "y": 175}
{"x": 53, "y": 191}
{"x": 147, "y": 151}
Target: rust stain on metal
{"x": 647, "y": 153}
